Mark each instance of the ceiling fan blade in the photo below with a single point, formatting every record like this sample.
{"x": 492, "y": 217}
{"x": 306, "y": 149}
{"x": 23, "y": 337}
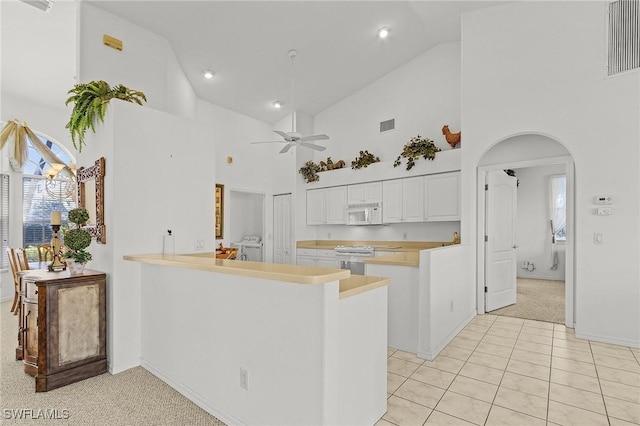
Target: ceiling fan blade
{"x": 312, "y": 146}
{"x": 283, "y": 134}
{"x": 314, "y": 138}
{"x": 286, "y": 148}
{"x": 268, "y": 142}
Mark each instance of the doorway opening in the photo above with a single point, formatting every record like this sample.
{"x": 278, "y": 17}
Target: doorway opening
{"x": 527, "y": 271}
{"x": 246, "y": 223}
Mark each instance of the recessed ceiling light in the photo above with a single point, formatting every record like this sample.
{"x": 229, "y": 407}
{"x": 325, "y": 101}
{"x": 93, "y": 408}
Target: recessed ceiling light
{"x": 383, "y": 32}
{"x": 277, "y": 104}
{"x": 208, "y": 74}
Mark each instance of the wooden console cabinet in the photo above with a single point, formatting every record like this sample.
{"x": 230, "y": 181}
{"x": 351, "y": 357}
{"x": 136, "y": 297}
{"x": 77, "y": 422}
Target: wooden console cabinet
{"x": 64, "y": 327}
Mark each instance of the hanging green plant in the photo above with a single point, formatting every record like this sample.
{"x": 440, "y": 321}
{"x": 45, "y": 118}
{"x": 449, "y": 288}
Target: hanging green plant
{"x": 417, "y": 147}
{"x": 364, "y": 159}
{"x": 90, "y": 104}
{"x": 310, "y": 171}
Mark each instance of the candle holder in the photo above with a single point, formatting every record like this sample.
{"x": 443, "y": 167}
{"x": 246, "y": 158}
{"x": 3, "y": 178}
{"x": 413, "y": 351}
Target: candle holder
{"x": 56, "y": 264}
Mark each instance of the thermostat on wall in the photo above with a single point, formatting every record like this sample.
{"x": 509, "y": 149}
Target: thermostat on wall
{"x": 604, "y": 199}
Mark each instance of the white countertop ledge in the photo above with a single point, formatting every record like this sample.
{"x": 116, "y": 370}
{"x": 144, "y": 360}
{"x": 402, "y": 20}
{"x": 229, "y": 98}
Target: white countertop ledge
{"x": 269, "y": 271}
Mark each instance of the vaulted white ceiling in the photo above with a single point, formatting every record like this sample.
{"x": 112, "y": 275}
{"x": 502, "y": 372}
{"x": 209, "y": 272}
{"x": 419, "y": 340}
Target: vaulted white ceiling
{"x": 246, "y": 44}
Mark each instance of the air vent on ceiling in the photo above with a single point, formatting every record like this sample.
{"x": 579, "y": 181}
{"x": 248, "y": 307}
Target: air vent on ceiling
{"x": 385, "y": 126}
{"x": 624, "y": 36}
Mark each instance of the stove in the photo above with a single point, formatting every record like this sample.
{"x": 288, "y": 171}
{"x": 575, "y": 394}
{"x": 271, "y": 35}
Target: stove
{"x": 355, "y": 250}
{"x": 351, "y": 257}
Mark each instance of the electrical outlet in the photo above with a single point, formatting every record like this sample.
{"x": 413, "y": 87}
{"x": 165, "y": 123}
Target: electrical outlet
{"x": 244, "y": 379}
{"x": 328, "y": 235}
{"x": 598, "y": 238}
{"x": 451, "y": 306}
{"x": 198, "y": 244}
{"x": 404, "y": 235}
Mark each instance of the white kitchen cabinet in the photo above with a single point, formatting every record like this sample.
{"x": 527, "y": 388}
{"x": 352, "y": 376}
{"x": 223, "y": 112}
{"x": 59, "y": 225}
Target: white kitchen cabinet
{"x": 327, "y": 206}
{"x": 413, "y": 199}
{"x": 319, "y": 258}
{"x": 364, "y": 193}
{"x": 442, "y": 197}
{"x": 315, "y": 207}
{"x": 335, "y": 205}
{"x": 392, "y": 201}
{"x": 402, "y": 200}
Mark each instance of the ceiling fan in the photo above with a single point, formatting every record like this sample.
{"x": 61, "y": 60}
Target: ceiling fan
{"x": 294, "y": 138}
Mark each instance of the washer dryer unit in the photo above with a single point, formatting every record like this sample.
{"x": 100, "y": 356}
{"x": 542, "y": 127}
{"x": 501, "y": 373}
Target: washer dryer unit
{"x": 249, "y": 248}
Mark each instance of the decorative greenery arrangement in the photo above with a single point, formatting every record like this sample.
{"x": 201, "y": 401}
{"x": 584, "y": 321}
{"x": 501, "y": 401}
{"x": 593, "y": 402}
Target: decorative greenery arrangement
{"x": 310, "y": 171}
{"x": 417, "y": 147}
{"x": 77, "y": 239}
{"x": 364, "y": 160}
{"x": 90, "y": 104}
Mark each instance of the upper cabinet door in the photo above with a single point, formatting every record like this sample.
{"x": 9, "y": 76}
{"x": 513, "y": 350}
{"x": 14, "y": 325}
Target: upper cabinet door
{"x": 373, "y": 192}
{"x": 336, "y": 205}
{"x": 442, "y": 197}
{"x": 364, "y": 193}
{"x": 392, "y": 201}
{"x": 315, "y": 207}
{"x": 413, "y": 199}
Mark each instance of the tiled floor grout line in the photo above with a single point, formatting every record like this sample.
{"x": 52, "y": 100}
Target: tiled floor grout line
{"x": 604, "y": 402}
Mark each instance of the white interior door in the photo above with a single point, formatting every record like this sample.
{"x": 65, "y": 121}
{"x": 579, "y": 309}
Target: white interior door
{"x": 500, "y": 245}
{"x": 282, "y": 245}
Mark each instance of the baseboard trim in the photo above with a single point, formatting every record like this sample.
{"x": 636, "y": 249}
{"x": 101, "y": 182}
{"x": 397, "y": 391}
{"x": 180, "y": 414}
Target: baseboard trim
{"x": 431, "y": 355}
{"x": 190, "y": 394}
{"x": 607, "y": 339}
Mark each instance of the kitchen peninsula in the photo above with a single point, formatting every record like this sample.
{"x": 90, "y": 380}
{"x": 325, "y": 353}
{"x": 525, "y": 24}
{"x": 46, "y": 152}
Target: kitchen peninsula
{"x": 260, "y": 343}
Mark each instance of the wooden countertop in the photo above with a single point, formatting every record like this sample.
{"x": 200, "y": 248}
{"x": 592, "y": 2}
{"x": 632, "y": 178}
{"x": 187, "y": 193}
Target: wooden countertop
{"x": 393, "y": 246}
{"x": 269, "y": 271}
{"x": 357, "y": 284}
{"x": 408, "y": 258}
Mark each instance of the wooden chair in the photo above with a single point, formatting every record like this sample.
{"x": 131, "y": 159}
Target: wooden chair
{"x": 45, "y": 253}
{"x": 13, "y": 262}
{"x": 23, "y": 261}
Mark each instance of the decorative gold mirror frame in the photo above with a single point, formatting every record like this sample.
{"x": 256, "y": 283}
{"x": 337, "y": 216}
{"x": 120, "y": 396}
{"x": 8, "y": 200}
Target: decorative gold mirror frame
{"x": 219, "y": 209}
{"x": 87, "y": 178}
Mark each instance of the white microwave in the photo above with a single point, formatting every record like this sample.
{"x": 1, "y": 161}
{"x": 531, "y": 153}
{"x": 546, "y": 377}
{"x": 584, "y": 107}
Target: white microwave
{"x": 364, "y": 214}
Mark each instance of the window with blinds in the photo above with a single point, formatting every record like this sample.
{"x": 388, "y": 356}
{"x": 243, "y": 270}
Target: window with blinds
{"x": 4, "y": 221}
{"x": 40, "y": 197}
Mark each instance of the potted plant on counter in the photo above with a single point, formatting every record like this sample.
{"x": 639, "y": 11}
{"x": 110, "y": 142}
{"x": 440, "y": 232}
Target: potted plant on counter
{"x": 76, "y": 240}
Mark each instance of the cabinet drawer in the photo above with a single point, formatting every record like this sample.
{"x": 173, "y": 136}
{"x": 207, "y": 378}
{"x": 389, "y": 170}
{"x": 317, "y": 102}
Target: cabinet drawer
{"x": 305, "y": 252}
{"x": 32, "y": 291}
{"x": 326, "y": 253}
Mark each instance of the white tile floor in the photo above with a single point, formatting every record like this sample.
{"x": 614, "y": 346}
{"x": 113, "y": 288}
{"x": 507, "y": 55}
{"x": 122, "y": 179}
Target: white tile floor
{"x": 510, "y": 371}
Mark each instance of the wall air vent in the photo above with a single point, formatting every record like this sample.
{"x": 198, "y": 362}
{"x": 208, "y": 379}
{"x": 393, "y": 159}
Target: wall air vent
{"x": 385, "y": 126}
{"x": 43, "y": 5}
{"x": 623, "y": 36}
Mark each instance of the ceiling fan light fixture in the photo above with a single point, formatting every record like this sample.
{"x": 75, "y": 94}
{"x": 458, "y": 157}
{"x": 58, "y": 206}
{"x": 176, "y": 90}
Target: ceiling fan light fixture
{"x": 208, "y": 74}
{"x": 383, "y": 32}
{"x": 277, "y": 104}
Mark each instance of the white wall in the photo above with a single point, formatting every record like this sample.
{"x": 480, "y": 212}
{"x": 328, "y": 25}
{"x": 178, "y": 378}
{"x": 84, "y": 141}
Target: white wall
{"x": 146, "y": 62}
{"x": 537, "y": 67}
{"x": 533, "y": 232}
{"x": 151, "y": 184}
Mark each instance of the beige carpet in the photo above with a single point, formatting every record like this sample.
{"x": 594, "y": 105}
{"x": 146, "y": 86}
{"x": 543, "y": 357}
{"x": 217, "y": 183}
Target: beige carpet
{"x": 133, "y": 397}
{"x": 541, "y": 300}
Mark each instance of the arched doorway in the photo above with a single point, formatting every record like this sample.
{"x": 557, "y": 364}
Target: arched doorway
{"x": 535, "y": 154}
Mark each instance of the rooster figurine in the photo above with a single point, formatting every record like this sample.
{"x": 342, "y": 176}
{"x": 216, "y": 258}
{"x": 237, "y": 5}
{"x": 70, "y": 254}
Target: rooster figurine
{"x": 453, "y": 139}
